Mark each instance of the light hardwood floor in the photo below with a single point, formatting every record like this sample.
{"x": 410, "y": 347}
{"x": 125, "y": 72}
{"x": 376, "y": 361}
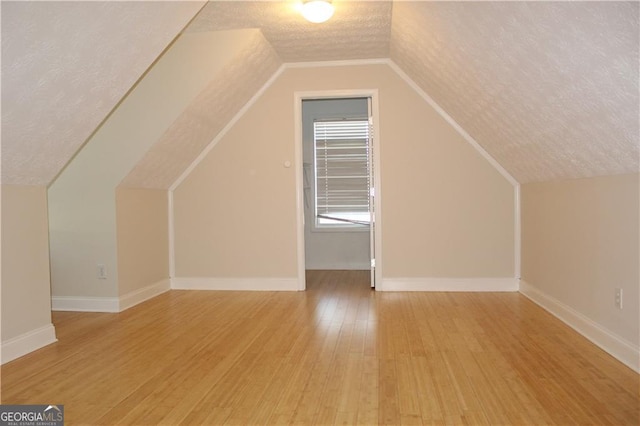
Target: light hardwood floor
{"x": 338, "y": 353}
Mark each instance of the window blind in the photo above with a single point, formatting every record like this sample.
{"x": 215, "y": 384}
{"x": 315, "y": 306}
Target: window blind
{"x": 342, "y": 171}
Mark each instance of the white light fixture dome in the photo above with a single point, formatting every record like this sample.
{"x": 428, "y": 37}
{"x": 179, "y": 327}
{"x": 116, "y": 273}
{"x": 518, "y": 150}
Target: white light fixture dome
{"x": 317, "y": 11}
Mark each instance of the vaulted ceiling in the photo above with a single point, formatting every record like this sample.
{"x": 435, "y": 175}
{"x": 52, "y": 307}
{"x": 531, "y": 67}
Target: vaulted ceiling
{"x": 549, "y": 89}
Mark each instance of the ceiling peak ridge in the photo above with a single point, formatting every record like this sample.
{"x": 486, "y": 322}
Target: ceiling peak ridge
{"x": 338, "y": 63}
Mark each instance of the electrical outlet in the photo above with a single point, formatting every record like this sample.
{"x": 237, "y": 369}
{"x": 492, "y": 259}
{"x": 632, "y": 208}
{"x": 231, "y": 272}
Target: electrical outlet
{"x": 619, "y": 298}
{"x": 101, "y": 271}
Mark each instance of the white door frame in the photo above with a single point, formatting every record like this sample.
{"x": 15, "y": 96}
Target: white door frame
{"x": 297, "y": 108}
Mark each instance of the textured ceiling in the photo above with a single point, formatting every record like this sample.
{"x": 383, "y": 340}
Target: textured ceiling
{"x": 65, "y": 65}
{"x": 549, "y": 89}
{"x": 357, "y": 30}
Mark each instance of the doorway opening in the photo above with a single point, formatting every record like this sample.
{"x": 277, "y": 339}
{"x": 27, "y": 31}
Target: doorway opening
{"x": 337, "y": 187}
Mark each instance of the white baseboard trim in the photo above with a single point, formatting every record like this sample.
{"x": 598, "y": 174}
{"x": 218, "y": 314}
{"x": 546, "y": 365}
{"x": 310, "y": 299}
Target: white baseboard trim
{"x": 28, "y": 342}
{"x": 138, "y": 296}
{"x": 235, "y": 284}
{"x": 448, "y": 284}
{"x": 618, "y": 347}
{"x": 109, "y": 304}
{"x": 85, "y": 304}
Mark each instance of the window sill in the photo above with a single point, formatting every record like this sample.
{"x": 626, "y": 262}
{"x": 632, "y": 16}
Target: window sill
{"x": 335, "y": 229}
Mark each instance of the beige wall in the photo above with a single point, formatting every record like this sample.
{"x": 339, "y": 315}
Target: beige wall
{"x": 580, "y": 242}
{"x": 235, "y": 214}
{"x": 143, "y": 238}
{"x": 26, "y": 295}
{"x": 446, "y": 211}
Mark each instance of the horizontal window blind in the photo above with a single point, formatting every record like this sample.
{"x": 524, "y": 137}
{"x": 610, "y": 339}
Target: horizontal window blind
{"x": 342, "y": 171}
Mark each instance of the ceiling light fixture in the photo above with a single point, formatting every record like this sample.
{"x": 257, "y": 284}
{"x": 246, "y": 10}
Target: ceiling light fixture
{"x": 317, "y": 11}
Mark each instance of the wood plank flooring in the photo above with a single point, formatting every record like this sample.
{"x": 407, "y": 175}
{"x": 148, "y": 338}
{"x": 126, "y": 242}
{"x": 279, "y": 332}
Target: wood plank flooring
{"x": 338, "y": 353}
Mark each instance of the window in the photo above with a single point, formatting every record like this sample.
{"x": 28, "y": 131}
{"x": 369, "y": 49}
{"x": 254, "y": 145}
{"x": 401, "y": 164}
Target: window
{"x": 341, "y": 150}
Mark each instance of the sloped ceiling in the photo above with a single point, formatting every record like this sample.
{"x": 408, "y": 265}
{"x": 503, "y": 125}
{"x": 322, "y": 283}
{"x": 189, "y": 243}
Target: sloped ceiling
{"x": 65, "y": 65}
{"x": 549, "y": 89}
{"x": 357, "y": 30}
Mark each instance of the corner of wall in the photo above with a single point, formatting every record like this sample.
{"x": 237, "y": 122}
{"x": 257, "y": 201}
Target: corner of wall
{"x": 26, "y": 303}
{"x": 27, "y": 343}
